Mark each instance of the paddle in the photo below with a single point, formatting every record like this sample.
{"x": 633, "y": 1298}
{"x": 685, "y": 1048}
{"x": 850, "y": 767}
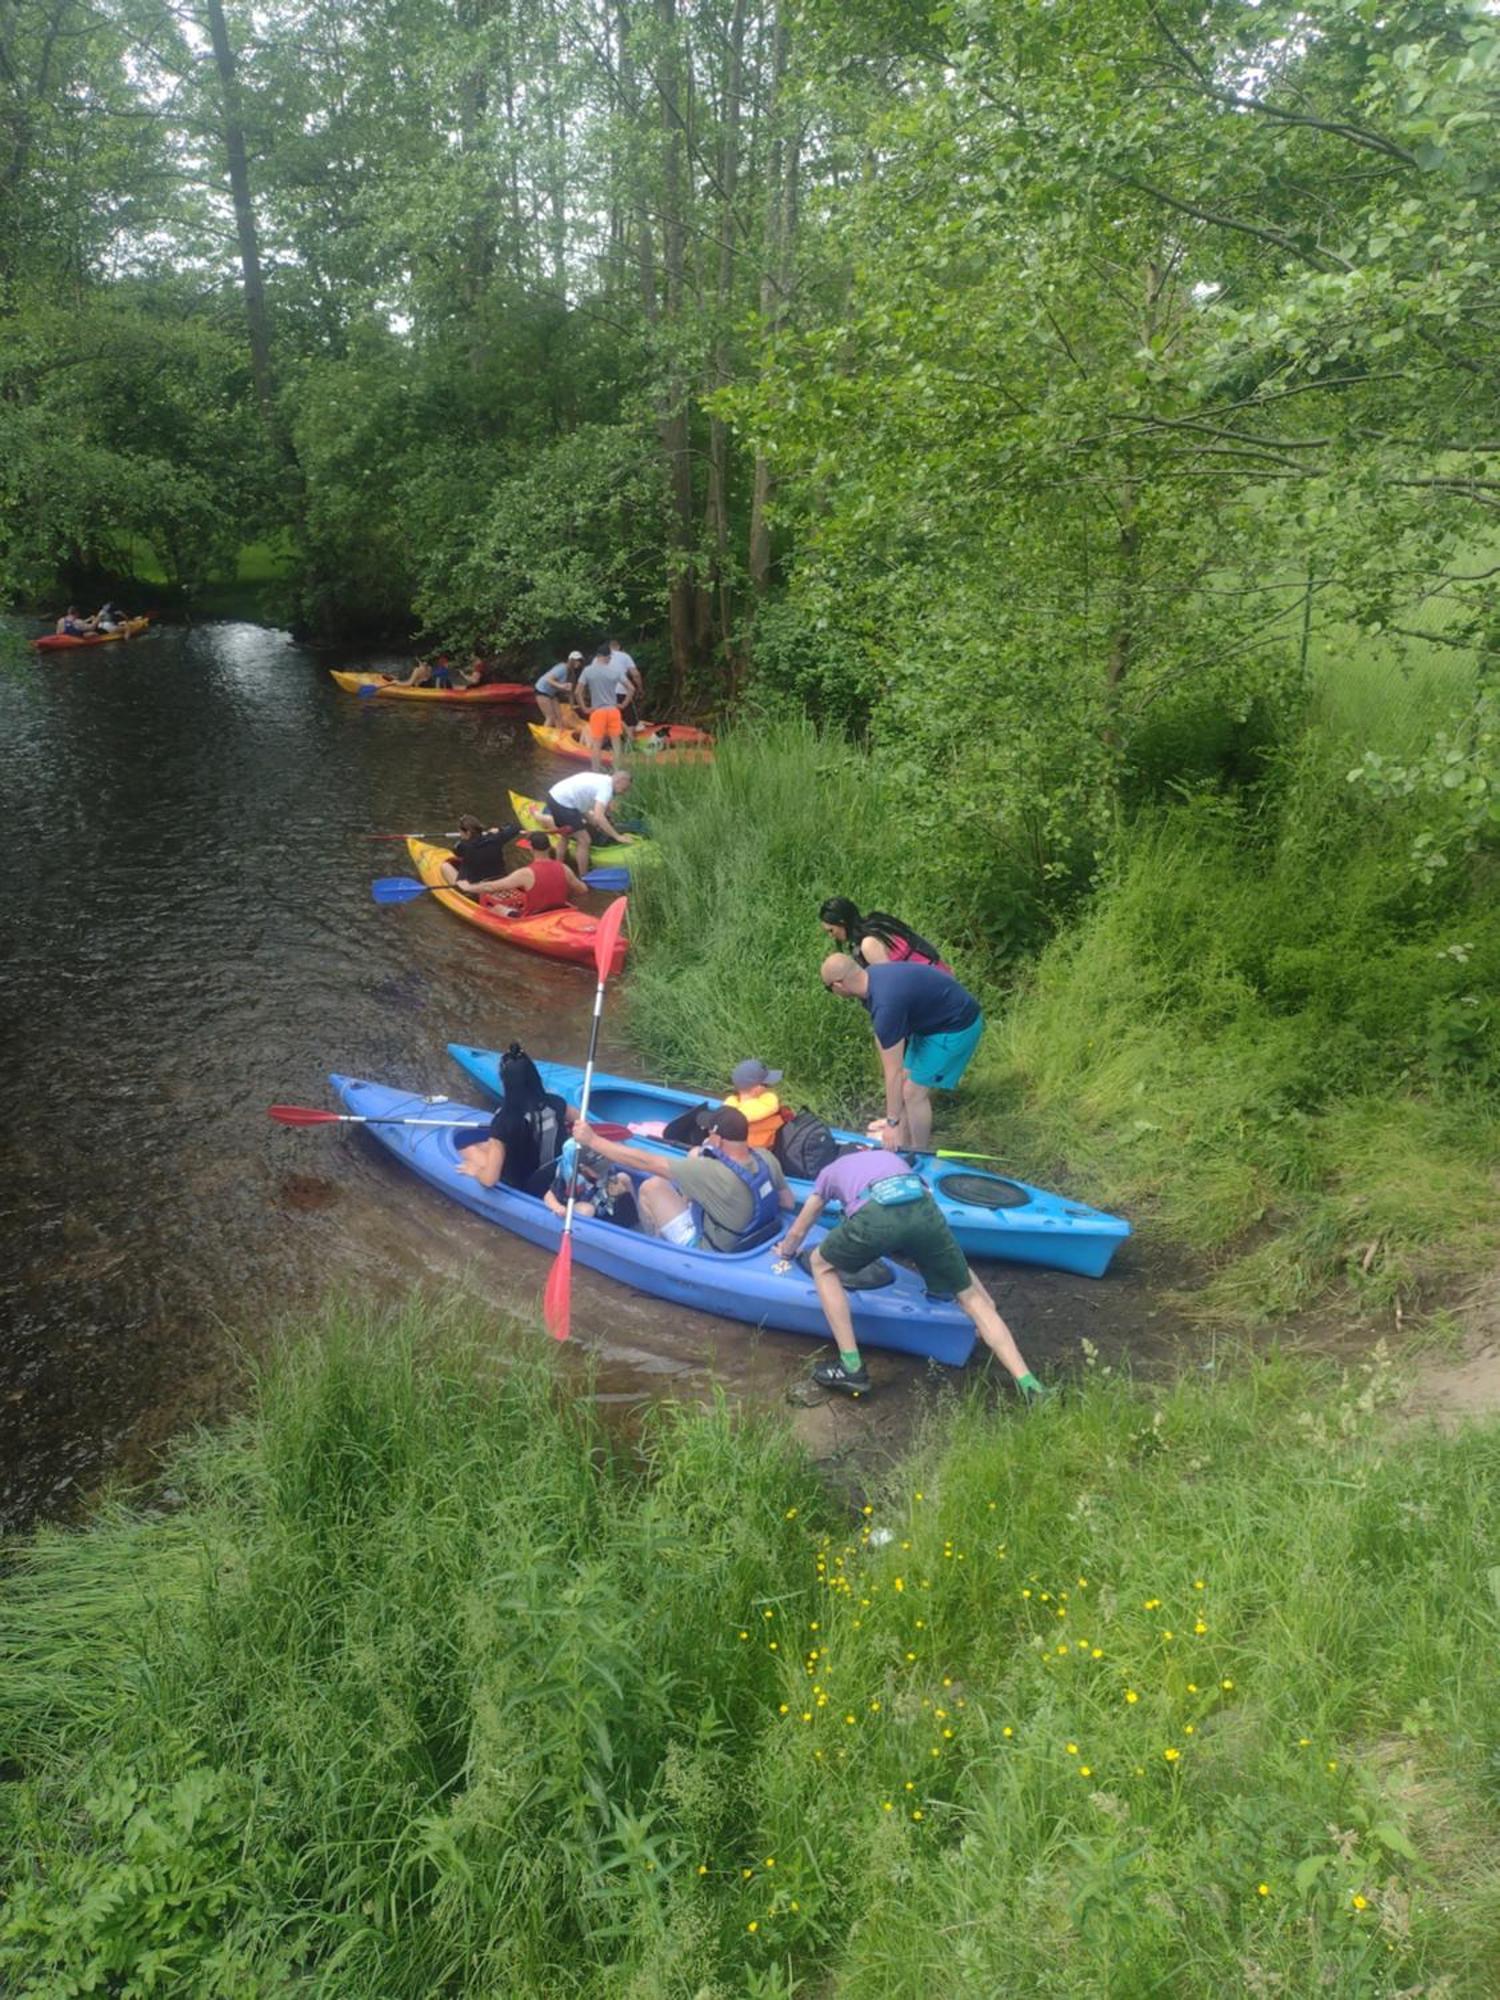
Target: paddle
{"x": 402, "y": 889}
{"x": 557, "y": 1299}
{"x": 446, "y": 838}
{"x": 304, "y": 1114}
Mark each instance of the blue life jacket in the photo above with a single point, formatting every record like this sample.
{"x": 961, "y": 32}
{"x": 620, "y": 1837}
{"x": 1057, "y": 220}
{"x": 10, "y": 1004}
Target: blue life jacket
{"x": 763, "y": 1191}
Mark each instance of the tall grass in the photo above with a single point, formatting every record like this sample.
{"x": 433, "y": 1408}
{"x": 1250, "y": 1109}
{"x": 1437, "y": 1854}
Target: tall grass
{"x": 430, "y": 1687}
{"x": 1266, "y": 1035}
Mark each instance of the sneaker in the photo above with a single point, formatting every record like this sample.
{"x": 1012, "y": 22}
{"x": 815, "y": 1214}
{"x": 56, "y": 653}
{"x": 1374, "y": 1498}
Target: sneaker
{"x": 834, "y": 1375}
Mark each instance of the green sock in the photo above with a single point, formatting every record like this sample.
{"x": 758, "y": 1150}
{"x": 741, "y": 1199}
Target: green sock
{"x": 851, "y": 1360}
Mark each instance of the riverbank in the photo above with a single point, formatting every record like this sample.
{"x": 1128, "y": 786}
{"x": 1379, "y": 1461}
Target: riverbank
{"x": 1264, "y": 1036}
{"x": 417, "y": 1679}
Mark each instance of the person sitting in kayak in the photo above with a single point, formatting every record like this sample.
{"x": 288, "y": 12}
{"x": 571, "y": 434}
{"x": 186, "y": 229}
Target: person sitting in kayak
{"x": 539, "y": 884}
{"x": 71, "y": 626}
{"x": 555, "y": 688}
{"x": 751, "y": 1093}
{"x": 725, "y": 1195}
{"x": 435, "y": 672}
{"x": 608, "y": 1196}
{"x": 526, "y": 1134}
{"x": 479, "y": 855}
{"x": 108, "y": 618}
{"x": 577, "y": 808}
{"x": 877, "y": 938}
{"x": 888, "y": 1211}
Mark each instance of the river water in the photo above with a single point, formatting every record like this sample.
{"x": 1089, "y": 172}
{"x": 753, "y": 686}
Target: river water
{"x": 190, "y": 938}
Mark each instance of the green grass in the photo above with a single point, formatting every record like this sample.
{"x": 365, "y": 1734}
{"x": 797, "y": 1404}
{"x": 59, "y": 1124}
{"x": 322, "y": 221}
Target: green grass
{"x": 431, "y": 1687}
{"x": 1264, "y": 1036}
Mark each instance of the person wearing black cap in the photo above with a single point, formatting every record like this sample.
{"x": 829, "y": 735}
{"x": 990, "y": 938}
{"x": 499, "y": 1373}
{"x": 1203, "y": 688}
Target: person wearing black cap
{"x": 725, "y": 1195}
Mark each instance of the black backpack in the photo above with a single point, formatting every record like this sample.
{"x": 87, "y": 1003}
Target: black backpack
{"x": 805, "y": 1146}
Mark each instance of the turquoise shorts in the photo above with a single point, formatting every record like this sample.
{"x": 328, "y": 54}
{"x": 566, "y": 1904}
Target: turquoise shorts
{"x": 937, "y": 1062}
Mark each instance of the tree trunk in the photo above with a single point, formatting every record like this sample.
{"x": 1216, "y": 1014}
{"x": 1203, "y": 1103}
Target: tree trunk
{"x": 782, "y": 170}
{"x": 257, "y": 319}
{"x": 672, "y": 426}
{"x": 720, "y": 597}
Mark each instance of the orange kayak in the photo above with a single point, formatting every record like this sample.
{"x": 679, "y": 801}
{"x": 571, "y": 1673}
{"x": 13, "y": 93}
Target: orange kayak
{"x": 509, "y": 692}
{"x": 61, "y": 642}
{"x": 662, "y": 742}
{"x": 564, "y": 934}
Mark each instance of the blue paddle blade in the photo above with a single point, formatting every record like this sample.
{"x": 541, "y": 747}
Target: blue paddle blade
{"x": 397, "y": 889}
{"x": 608, "y": 878}
{"x": 367, "y": 690}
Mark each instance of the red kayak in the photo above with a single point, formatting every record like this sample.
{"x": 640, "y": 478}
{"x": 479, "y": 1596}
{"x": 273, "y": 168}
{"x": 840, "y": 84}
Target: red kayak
{"x": 61, "y": 642}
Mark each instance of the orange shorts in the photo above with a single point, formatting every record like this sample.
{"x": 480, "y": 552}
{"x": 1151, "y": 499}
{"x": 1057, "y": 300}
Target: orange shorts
{"x": 605, "y": 722}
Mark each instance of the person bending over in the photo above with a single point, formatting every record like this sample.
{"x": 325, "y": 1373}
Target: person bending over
{"x": 577, "y": 809}
{"x": 877, "y": 939}
{"x": 725, "y": 1195}
{"x": 888, "y": 1211}
{"x": 926, "y": 1027}
{"x": 555, "y": 688}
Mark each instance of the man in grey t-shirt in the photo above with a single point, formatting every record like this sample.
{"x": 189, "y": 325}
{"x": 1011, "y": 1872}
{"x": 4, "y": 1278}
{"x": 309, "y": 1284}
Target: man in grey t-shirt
{"x": 602, "y": 687}
{"x": 738, "y": 1188}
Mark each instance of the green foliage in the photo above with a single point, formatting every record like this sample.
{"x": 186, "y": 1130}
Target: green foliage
{"x": 433, "y": 1686}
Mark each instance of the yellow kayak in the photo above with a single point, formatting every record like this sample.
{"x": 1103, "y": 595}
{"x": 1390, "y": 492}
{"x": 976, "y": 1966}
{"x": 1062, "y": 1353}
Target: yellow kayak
{"x": 504, "y": 692}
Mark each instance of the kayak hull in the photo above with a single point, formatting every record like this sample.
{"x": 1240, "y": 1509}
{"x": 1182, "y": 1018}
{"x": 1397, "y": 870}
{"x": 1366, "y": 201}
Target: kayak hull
{"x": 743, "y": 1285}
{"x": 497, "y": 694}
{"x": 1039, "y": 1228}
{"x": 66, "y": 642}
{"x": 601, "y": 855}
{"x": 567, "y": 935}
{"x": 684, "y": 745}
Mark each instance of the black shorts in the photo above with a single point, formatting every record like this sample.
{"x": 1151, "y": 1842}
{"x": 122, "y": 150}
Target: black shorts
{"x": 567, "y": 818}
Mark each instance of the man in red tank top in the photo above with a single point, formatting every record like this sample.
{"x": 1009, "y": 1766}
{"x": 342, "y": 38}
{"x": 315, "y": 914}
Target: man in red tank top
{"x": 540, "y": 884}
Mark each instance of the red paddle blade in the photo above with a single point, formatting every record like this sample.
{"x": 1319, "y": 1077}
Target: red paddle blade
{"x": 302, "y": 1114}
{"x": 557, "y": 1300}
{"x": 607, "y": 935}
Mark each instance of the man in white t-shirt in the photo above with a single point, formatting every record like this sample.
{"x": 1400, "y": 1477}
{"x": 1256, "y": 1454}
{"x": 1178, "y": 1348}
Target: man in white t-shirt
{"x": 632, "y": 672}
{"x": 577, "y": 809}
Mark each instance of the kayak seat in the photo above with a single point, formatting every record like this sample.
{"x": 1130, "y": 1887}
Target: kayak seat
{"x": 868, "y": 1278}
{"x": 982, "y": 1190}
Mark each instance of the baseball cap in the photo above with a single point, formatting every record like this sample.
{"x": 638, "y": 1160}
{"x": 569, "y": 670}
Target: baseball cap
{"x": 575, "y": 656}
{"x": 730, "y": 1124}
{"x": 750, "y": 1074}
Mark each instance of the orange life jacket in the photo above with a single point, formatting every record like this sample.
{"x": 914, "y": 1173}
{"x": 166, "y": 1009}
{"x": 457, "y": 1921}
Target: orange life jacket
{"x": 763, "y": 1114}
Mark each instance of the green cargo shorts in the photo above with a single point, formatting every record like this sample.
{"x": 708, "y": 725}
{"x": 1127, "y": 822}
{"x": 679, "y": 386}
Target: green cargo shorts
{"x": 916, "y": 1230}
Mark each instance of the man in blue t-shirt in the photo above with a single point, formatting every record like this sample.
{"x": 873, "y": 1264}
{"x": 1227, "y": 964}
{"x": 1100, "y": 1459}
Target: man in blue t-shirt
{"x": 926, "y": 1026}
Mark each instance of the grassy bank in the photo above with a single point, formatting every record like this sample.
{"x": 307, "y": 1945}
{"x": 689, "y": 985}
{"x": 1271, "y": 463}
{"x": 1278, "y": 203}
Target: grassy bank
{"x": 431, "y": 1687}
{"x": 1266, "y": 1034}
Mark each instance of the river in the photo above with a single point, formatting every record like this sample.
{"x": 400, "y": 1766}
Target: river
{"x": 191, "y": 938}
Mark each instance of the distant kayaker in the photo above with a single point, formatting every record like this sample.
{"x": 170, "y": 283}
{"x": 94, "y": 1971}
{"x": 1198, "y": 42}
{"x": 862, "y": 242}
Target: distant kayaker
{"x": 751, "y": 1092}
{"x": 577, "y": 808}
{"x": 539, "y": 884}
{"x": 108, "y": 618}
{"x": 602, "y": 689}
{"x": 555, "y": 688}
{"x": 888, "y": 1211}
{"x": 927, "y": 1028}
{"x": 724, "y": 1195}
{"x": 479, "y": 860}
{"x": 435, "y": 672}
{"x": 877, "y": 938}
{"x": 526, "y": 1133}
{"x": 72, "y": 626}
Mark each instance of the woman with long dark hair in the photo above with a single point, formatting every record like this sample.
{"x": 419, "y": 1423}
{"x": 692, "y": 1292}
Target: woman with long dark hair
{"x": 526, "y": 1133}
{"x": 877, "y": 938}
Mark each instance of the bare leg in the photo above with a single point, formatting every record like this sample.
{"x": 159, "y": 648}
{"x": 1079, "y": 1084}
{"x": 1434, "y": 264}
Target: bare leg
{"x": 551, "y": 713}
{"x": 596, "y": 752}
{"x": 582, "y": 842}
{"x": 448, "y": 872}
{"x": 660, "y": 1203}
{"x": 916, "y": 1116}
{"x": 992, "y": 1330}
{"x": 835, "y": 1303}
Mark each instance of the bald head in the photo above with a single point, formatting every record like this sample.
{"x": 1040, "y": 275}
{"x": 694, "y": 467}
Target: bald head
{"x": 842, "y": 975}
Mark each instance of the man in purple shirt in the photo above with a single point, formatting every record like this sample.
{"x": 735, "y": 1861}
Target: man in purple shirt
{"x": 890, "y": 1212}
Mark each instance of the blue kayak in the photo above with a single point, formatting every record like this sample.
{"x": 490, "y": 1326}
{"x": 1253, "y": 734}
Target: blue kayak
{"x": 990, "y": 1214}
{"x": 744, "y": 1285}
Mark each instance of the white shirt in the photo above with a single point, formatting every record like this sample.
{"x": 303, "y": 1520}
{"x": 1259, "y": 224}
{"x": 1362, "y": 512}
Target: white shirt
{"x": 583, "y": 793}
{"x": 620, "y": 658}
